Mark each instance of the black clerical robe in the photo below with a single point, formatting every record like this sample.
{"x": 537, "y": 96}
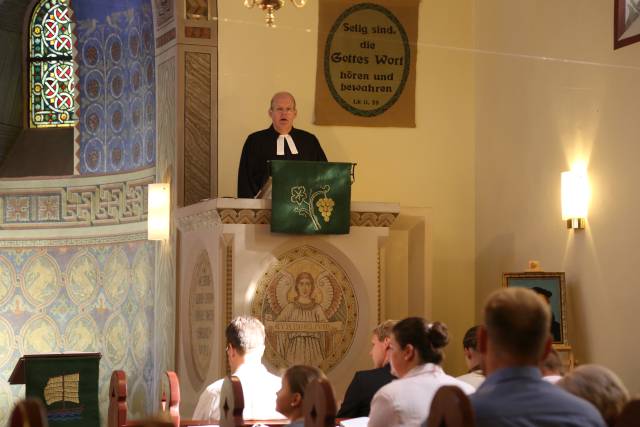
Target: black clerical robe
{"x": 261, "y": 146}
{"x": 365, "y": 384}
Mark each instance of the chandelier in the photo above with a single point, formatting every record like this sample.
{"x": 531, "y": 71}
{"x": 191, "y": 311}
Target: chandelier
{"x": 270, "y": 6}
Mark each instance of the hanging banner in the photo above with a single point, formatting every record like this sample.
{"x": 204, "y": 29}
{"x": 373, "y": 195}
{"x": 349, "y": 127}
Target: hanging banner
{"x": 366, "y": 72}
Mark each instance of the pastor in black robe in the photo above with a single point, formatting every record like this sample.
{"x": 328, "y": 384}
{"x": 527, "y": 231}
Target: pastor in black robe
{"x": 260, "y": 147}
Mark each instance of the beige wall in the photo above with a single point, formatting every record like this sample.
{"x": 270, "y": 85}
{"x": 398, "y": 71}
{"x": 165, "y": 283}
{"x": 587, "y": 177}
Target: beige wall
{"x": 429, "y": 166}
{"x": 549, "y": 89}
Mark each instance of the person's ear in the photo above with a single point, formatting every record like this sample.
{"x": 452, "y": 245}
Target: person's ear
{"x": 386, "y": 342}
{"x": 482, "y": 339}
{"x": 296, "y": 400}
{"x": 409, "y": 352}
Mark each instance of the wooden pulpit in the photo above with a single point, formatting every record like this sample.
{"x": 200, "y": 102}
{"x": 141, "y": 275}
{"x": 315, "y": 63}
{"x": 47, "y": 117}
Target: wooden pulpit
{"x": 67, "y": 384}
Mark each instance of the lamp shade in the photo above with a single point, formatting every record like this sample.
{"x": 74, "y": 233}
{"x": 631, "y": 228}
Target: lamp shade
{"x": 575, "y": 194}
{"x": 159, "y": 209}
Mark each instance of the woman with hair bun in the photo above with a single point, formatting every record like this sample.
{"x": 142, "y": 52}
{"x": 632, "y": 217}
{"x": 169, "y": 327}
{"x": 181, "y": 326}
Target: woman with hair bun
{"x": 416, "y": 352}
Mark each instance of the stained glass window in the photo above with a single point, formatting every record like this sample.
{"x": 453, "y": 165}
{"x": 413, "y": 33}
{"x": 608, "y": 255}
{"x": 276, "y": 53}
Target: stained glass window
{"x": 51, "y": 66}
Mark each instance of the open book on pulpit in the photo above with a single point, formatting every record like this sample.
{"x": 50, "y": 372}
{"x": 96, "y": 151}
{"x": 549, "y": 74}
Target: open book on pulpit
{"x": 311, "y": 197}
{"x": 67, "y": 384}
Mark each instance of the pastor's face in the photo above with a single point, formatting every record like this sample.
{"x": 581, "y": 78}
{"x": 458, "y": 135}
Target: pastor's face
{"x": 282, "y": 113}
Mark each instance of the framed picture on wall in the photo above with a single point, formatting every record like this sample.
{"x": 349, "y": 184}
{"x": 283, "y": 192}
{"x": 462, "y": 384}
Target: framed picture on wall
{"x": 626, "y": 22}
{"x": 551, "y": 286}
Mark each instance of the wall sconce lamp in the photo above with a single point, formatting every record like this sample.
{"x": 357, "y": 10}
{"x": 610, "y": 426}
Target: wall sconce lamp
{"x": 575, "y": 197}
{"x": 159, "y": 209}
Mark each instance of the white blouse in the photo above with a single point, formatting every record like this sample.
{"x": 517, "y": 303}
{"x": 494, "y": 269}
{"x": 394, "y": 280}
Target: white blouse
{"x": 406, "y": 401}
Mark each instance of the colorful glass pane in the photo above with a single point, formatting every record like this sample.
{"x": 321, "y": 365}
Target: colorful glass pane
{"x": 52, "y": 76}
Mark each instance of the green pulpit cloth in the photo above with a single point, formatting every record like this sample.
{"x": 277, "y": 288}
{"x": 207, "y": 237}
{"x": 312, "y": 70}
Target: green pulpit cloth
{"x": 68, "y": 386}
{"x": 310, "y": 197}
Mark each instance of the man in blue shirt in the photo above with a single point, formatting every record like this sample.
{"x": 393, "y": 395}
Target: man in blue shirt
{"x": 513, "y": 340}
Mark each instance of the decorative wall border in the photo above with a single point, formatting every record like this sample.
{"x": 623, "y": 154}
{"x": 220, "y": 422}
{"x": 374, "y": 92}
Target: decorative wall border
{"x": 76, "y": 241}
{"x": 75, "y": 202}
{"x": 263, "y": 216}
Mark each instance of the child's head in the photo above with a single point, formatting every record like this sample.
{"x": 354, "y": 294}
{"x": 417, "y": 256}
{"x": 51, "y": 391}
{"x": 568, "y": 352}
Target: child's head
{"x": 291, "y": 394}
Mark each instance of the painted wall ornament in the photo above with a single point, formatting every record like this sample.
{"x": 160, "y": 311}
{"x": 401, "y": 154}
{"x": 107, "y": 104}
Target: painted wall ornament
{"x": 308, "y": 306}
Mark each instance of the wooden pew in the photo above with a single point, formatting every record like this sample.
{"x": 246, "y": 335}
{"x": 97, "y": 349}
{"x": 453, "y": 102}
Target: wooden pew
{"x": 170, "y": 407}
{"x": 28, "y": 413}
{"x": 450, "y": 407}
{"x": 319, "y": 404}
{"x": 630, "y": 415}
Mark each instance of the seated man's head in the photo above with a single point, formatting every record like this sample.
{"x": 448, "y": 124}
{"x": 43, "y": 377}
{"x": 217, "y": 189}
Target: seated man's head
{"x": 245, "y": 341}
{"x": 380, "y": 343}
{"x": 472, "y": 357}
{"x": 552, "y": 364}
{"x": 601, "y": 387}
{"x": 282, "y": 112}
{"x": 516, "y": 329}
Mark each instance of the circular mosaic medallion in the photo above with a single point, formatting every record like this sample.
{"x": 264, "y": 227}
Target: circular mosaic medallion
{"x": 41, "y": 280}
{"x": 136, "y": 112}
{"x": 94, "y": 84}
{"x": 308, "y": 306}
{"x": 40, "y": 335}
{"x": 81, "y": 334}
{"x": 149, "y": 73}
{"x": 7, "y": 341}
{"x": 142, "y": 274}
{"x": 116, "y": 153}
{"x": 7, "y": 280}
{"x": 116, "y": 280}
{"x": 138, "y": 399}
{"x": 134, "y": 42}
{"x": 91, "y": 52}
{"x": 136, "y": 149}
{"x": 92, "y": 155}
{"x": 135, "y": 74}
{"x": 140, "y": 339}
{"x": 149, "y": 146}
{"x": 82, "y": 282}
{"x": 93, "y": 119}
{"x": 114, "y": 47}
{"x": 116, "y": 337}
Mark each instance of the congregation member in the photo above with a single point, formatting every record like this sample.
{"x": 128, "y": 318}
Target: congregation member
{"x": 245, "y": 345}
{"x": 601, "y": 387}
{"x": 514, "y": 340}
{"x": 472, "y": 358}
{"x": 357, "y": 398}
{"x": 290, "y": 397}
{"x": 415, "y": 353}
{"x": 551, "y": 367}
{"x": 280, "y": 141}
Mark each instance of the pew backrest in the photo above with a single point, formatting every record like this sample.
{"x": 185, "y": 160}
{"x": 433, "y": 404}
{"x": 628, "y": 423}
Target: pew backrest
{"x": 450, "y": 407}
{"x": 231, "y": 402}
{"x": 630, "y": 415}
{"x": 319, "y": 405}
{"x": 28, "y": 413}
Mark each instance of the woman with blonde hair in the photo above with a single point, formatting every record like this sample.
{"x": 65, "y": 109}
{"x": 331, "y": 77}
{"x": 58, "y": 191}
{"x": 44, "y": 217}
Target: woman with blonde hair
{"x": 601, "y": 387}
